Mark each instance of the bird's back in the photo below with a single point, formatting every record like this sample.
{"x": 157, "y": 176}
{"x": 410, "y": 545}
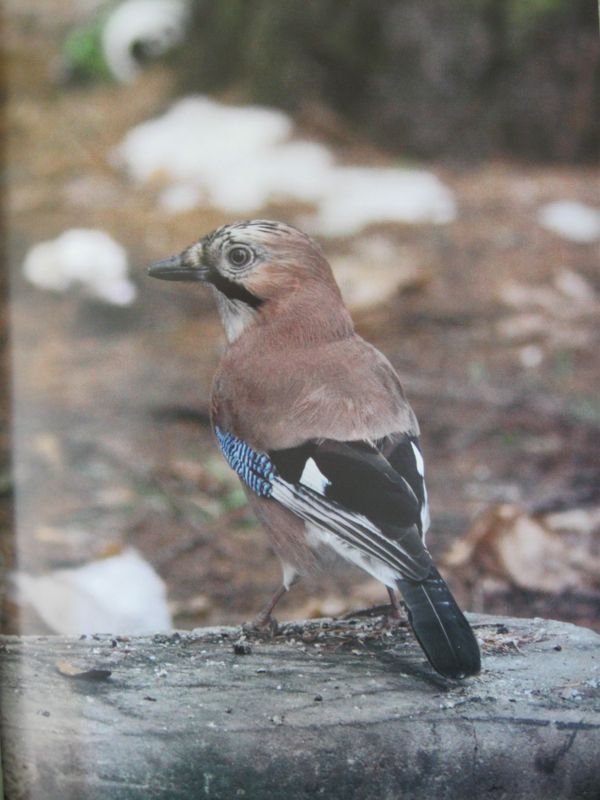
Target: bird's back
{"x": 343, "y": 389}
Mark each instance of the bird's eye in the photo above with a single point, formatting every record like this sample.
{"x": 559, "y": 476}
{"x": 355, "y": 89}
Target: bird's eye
{"x": 240, "y": 256}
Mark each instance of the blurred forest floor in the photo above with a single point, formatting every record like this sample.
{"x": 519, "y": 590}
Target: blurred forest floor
{"x": 112, "y": 441}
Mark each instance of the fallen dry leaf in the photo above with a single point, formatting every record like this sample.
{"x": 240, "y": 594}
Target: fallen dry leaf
{"x": 526, "y": 551}
{"x": 69, "y": 670}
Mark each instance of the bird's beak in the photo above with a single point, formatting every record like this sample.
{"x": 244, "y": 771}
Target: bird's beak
{"x": 177, "y": 268}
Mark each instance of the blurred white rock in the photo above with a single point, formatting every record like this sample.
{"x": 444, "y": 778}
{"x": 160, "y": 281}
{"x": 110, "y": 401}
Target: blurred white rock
{"x": 82, "y": 257}
{"x": 575, "y": 287}
{"x": 531, "y": 356}
{"x": 152, "y": 26}
{"x": 295, "y": 170}
{"x": 239, "y": 158}
{"x": 375, "y": 270}
{"x": 359, "y": 196}
{"x": 570, "y": 294}
{"x": 561, "y": 314}
{"x": 121, "y": 595}
{"x": 574, "y": 221}
{"x": 522, "y": 326}
{"x": 180, "y": 197}
{"x": 197, "y": 139}
{"x": 521, "y": 295}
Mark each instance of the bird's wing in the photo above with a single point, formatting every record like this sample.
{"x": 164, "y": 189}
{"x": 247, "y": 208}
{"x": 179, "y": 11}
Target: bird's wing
{"x": 348, "y": 489}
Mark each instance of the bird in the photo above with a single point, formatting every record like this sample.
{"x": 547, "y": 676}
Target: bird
{"x": 315, "y": 422}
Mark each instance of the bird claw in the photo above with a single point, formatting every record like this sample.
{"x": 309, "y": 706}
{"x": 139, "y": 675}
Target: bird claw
{"x": 395, "y": 615}
{"x": 262, "y": 625}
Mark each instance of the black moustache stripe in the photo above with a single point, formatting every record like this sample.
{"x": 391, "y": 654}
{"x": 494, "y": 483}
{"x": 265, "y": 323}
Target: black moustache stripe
{"x": 233, "y": 290}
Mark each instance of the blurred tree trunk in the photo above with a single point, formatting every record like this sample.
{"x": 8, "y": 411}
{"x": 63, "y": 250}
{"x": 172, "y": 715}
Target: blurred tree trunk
{"x": 424, "y": 77}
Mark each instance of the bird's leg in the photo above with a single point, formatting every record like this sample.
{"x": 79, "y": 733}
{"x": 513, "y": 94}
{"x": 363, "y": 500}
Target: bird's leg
{"x": 264, "y": 619}
{"x": 395, "y": 610}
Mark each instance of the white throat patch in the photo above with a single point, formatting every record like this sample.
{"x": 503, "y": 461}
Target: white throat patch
{"x": 235, "y": 315}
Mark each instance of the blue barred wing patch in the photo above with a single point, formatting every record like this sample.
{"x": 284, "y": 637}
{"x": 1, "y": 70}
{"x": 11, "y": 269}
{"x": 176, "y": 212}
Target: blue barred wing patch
{"x": 254, "y": 468}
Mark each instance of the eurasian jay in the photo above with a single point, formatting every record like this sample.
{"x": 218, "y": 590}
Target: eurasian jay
{"x": 315, "y": 422}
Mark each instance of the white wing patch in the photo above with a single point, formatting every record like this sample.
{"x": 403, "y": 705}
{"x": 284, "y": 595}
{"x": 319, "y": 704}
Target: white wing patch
{"x": 420, "y": 465}
{"x": 313, "y": 478}
{"x": 418, "y": 460}
{"x": 425, "y": 518}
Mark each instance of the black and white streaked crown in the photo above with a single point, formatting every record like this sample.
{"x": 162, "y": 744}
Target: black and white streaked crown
{"x": 258, "y": 229}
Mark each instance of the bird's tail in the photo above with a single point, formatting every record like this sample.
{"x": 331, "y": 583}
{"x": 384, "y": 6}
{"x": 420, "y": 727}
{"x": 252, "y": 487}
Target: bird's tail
{"x": 440, "y": 626}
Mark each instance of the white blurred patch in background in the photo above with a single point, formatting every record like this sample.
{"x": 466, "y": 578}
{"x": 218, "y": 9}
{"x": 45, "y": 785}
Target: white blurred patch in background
{"x": 146, "y": 28}
{"x": 120, "y": 595}
{"x": 375, "y": 270}
{"x": 239, "y": 158}
{"x": 359, "y": 196}
{"x": 571, "y": 220}
{"x": 82, "y": 257}
{"x": 236, "y": 158}
{"x": 198, "y": 138}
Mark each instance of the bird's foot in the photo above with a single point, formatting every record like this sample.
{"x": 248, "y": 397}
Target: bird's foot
{"x": 395, "y": 613}
{"x": 393, "y": 619}
{"x": 262, "y": 625}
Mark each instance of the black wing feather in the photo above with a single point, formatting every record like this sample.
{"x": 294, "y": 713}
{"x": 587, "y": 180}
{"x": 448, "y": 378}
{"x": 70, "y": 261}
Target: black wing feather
{"x": 360, "y": 478}
{"x": 399, "y": 449}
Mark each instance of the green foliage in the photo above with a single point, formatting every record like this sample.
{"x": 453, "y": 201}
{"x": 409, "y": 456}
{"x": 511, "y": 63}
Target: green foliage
{"x": 586, "y": 409}
{"x": 83, "y": 51}
{"x": 524, "y": 13}
{"x": 519, "y": 14}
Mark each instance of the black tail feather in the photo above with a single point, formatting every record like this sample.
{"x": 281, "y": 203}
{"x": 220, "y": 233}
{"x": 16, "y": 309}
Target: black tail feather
{"x": 440, "y": 626}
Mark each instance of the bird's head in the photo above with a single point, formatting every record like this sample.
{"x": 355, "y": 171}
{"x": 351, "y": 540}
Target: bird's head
{"x": 256, "y": 268}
